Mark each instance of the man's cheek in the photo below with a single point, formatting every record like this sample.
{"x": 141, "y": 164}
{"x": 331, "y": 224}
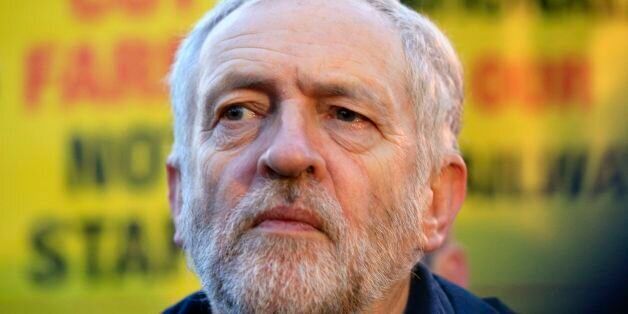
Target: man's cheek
{"x": 386, "y": 167}
{"x": 350, "y": 188}
{"x": 228, "y": 178}
{"x": 208, "y": 173}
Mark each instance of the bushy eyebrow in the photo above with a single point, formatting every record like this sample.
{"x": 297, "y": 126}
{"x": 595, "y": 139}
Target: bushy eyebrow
{"x": 353, "y": 91}
{"x": 232, "y": 81}
{"x": 348, "y": 88}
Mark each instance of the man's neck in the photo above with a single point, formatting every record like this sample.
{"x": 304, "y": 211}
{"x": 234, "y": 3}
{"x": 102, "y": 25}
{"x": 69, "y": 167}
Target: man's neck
{"x": 394, "y": 301}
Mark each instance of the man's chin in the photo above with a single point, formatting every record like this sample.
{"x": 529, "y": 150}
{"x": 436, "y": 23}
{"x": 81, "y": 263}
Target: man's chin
{"x": 277, "y": 272}
{"x": 285, "y": 246}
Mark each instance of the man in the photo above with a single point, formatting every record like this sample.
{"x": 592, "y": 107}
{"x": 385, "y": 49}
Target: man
{"x": 313, "y": 164}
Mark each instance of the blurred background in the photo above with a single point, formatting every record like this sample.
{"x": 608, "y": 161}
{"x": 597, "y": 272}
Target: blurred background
{"x": 85, "y": 129}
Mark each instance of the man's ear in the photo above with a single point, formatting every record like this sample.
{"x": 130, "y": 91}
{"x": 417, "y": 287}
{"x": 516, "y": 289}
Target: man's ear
{"x": 448, "y": 190}
{"x": 174, "y": 196}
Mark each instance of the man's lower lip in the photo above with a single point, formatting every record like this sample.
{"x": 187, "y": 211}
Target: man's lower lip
{"x": 273, "y": 225}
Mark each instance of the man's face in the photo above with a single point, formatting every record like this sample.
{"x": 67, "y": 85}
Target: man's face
{"x": 301, "y": 191}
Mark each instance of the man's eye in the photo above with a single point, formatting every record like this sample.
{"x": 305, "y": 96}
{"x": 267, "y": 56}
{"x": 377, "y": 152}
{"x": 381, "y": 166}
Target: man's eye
{"x": 237, "y": 112}
{"x": 347, "y": 115}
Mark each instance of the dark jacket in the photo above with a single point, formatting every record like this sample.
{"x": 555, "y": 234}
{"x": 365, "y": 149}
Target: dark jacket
{"x": 428, "y": 294}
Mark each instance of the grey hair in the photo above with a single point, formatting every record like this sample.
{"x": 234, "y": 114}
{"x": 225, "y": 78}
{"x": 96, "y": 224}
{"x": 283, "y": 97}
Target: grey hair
{"x": 434, "y": 77}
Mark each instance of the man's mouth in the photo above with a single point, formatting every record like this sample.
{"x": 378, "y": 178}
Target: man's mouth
{"x": 286, "y": 219}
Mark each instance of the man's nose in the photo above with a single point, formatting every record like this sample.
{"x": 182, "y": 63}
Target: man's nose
{"x": 291, "y": 152}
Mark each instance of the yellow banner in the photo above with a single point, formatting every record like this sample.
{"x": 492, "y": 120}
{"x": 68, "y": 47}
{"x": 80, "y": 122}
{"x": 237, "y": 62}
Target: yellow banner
{"x": 85, "y": 128}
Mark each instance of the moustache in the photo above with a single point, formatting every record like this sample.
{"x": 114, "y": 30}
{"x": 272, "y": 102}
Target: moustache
{"x": 307, "y": 203}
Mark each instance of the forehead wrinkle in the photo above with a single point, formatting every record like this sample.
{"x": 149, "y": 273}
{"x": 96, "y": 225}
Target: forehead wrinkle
{"x": 239, "y": 36}
{"x": 258, "y": 36}
{"x": 235, "y": 49}
{"x": 363, "y": 18}
{"x": 301, "y": 46}
{"x": 372, "y": 24}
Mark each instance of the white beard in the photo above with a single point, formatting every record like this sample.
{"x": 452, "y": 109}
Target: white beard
{"x": 243, "y": 271}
